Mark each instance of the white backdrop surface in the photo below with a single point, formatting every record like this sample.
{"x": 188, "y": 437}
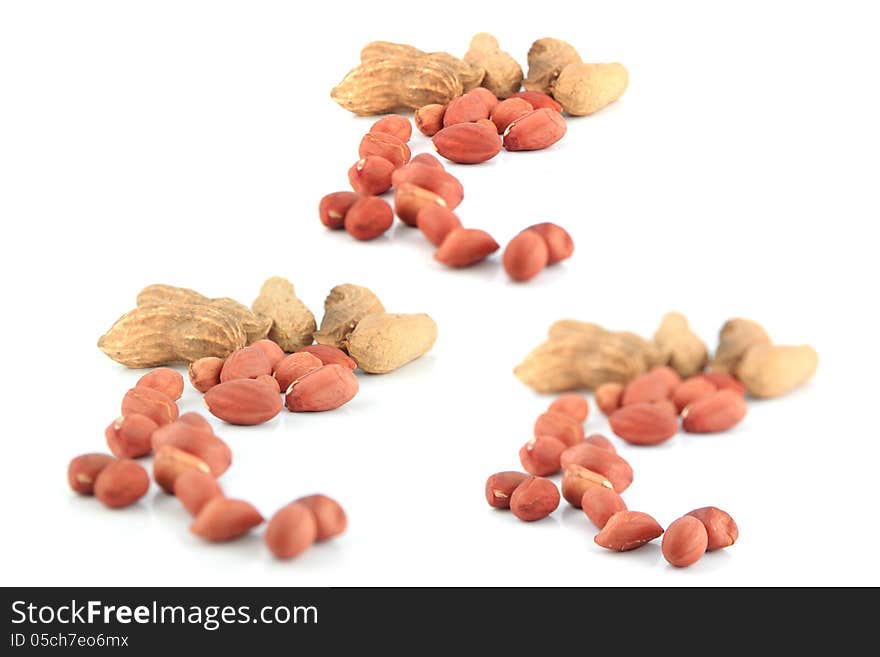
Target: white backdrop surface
{"x": 189, "y": 143}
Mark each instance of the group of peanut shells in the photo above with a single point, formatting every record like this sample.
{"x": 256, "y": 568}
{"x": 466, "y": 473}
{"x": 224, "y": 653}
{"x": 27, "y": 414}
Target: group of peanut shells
{"x": 188, "y": 458}
{"x": 594, "y": 476}
{"x": 175, "y": 325}
{"x": 395, "y": 76}
{"x": 425, "y": 195}
{"x": 582, "y": 355}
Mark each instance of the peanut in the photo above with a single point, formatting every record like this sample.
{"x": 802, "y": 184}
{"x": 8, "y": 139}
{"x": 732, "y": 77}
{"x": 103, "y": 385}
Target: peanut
{"x": 386, "y": 146}
{"x": 170, "y": 462}
{"x": 690, "y": 390}
{"x": 468, "y": 108}
{"x": 683, "y": 349}
{"x": 534, "y": 498}
{"x": 223, "y": 519}
{"x": 370, "y": 176}
{"x": 154, "y": 404}
{"x": 724, "y": 381}
{"x": 464, "y": 247}
{"x": 344, "y": 307}
{"x": 295, "y": 366}
{"x": 600, "y": 441}
{"x": 547, "y": 57}
{"x": 394, "y": 124}
{"x": 540, "y": 456}
{"x": 559, "y": 243}
{"x": 561, "y": 426}
{"x": 369, "y": 218}
{"x": 84, "y": 469}
{"x": 410, "y": 199}
{"x": 204, "y": 373}
{"x": 525, "y": 256}
{"x": 576, "y": 480}
{"x": 270, "y": 381}
{"x": 271, "y": 350}
{"x": 608, "y": 396}
{"x": 246, "y": 363}
{"x": 432, "y": 178}
{"x": 602, "y": 460}
{"x": 429, "y": 119}
{"x": 503, "y": 74}
{"x": 600, "y": 503}
{"x": 508, "y": 111}
{"x": 121, "y": 484}
{"x": 243, "y": 401}
{"x": 735, "y": 338}
{"x": 165, "y": 380}
{"x": 489, "y": 99}
{"x": 197, "y": 440}
{"x": 628, "y": 530}
{"x": 291, "y": 531}
{"x": 539, "y": 129}
{"x": 573, "y": 405}
{"x": 582, "y": 89}
{"x": 383, "y": 342}
{"x": 718, "y": 411}
{"x": 195, "y": 489}
{"x": 720, "y": 527}
{"x": 772, "y": 370}
{"x": 128, "y": 437}
{"x": 500, "y": 486}
{"x": 467, "y": 143}
{"x": 330, "y": 355}
{"x": 436, "y": 223}
{"x": 334, "y": 206}
{"x": 293, "y": 324}
{"x": 644, "y": 423}
{"x": 538, "y": 100}
{"x": 329, "y": 515}
{"x": 324, "y": 389}
{"x": 646, "y": 387}
{"x": 684, "y": 542}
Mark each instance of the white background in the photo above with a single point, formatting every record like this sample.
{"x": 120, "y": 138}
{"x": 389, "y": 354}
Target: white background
{"x": 189, "y": 143}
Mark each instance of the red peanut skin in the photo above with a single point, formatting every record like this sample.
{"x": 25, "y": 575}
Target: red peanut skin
{"x": 724, "y": 381}
{"x": 467, "y": 108}
{"x": 245, "y": 363}
{"x": 84, "y": 469}
{"x": 369, "y": 218}
{"x": 600, "y": 503}
{"x": 467, "y": 143}
{"x": 535, "y": 498}
{"x": 489, "y": 99}
{"x": 573, "y": 405}
{"x": 330, "y": 517}
{"x": 561, "y": 426}
{"x": 464, "y": 247}
{"x": 428, "y": 160}
{"x": 130, "y": 437}
{"x": 410, "y": 199}
{"x": 508, "y": 111}
{"x": 329, "y": 355}
{"x": 525, "y": 256}
{"x": 195, "y": 489}
{"x": 429, "y": 119}
{"x": 719, "y": 411}
{"x": 165, "y": 380}
{"x": 690, "y": 390}
{"x": 204, "y": 373}
{"x": 271, "y": 350}
{"x": 535, "y": 131}
{"x": 196, "y": 441}
{"x": 608, "y": 464}
{"x": 684, "y": 542}
{"x": 540, "y": 456}
{"x": 223, "y": 519}
{"x": 500, "y": 486}
{"x": 538, "y": 100}
{"x": 385, "y": 145}
{"x": 394, "y": 124}
{"x": 644, "y": 423}
{"x": 121, "y": 484}
{"x": 324, "y": 389}
{"x": 600, "y": 441}
{"x": 646, "y": 387}
{"x": 156, "y": 405}
{"x": 720, "y": 526}
{"x": 432, "y": 178}
{"x": 668, "y": 374}
{"x": 628, "y": 530}
{"x": 560, "y": 246}
{"x": 243, "y": 401}
{"x": 333, "y": 208}
{"x": 295, "y": 366}
{"x": 608, "y": 397}
{"x": 291, "y": 531}
{"x": 436, "y": 223}
{"x": 371, "y": 175}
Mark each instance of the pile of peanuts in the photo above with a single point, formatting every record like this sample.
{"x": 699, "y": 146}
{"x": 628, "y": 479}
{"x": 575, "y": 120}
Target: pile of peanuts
{"x": 594, "y": 476}
{"x": 188, "y": 458}
{"x": 245, "y": 388}
{"x": 646, "y": 410}
{"x": 425, "y": 193}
